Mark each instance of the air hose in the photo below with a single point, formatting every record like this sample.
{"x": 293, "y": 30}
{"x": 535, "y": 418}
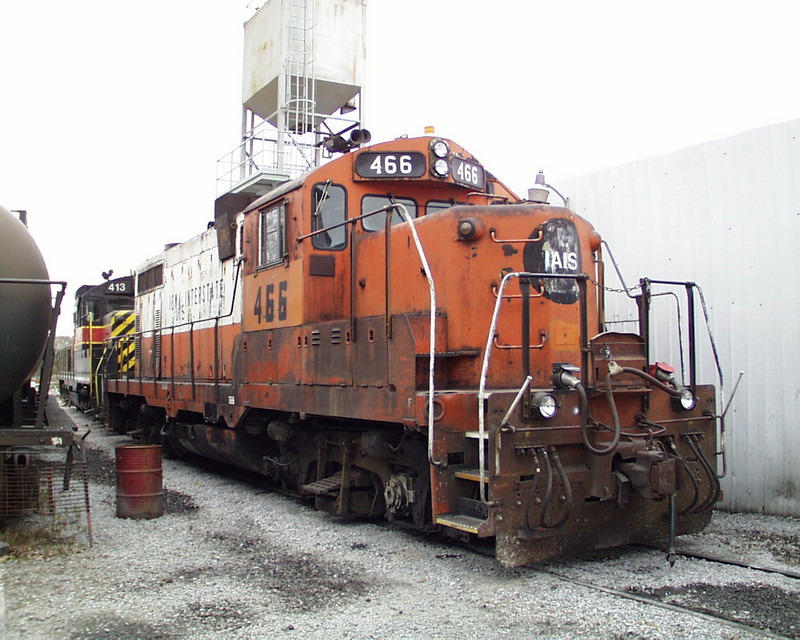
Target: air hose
{"x": 548, "y": 494}
{"x": 598, "y": 451}
{"x": 566, "y": 378}
{"x": 567, "y": 492}
{"x": 646, "y": 376}
{"x": 712, "y": 476}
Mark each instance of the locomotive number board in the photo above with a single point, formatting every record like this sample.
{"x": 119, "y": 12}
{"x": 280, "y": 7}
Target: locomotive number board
{"x": 123, "y": 286}
{"x": 470, "y": 174}
{"x": 387, "y": 165}
{"x": 371, "y": 164}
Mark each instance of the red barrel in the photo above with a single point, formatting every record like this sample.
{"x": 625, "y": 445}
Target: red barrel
{"x": 139, "y": 491}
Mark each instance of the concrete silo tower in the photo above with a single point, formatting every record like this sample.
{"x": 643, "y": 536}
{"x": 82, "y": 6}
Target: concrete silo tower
{"x": 304, "y": 65}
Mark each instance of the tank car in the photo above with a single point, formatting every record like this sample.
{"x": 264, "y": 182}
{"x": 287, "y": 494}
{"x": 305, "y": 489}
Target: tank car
{"x": 396, "y": 334}
{"x": 25, "y": 310}
{"x": 102, "y": 344}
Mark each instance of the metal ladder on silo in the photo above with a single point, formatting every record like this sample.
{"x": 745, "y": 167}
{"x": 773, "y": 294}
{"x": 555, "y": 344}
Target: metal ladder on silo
{"x": 300, "y": 100}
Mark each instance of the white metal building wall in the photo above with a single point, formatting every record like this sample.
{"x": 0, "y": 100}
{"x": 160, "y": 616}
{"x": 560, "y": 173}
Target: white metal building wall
{"x": 725, "y": 214}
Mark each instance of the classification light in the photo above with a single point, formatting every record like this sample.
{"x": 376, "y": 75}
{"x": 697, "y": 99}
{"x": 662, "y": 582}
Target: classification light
{"x": 440, "y": 148}
{"x": 441, "y": 168}
{"x": 466, "y": 229}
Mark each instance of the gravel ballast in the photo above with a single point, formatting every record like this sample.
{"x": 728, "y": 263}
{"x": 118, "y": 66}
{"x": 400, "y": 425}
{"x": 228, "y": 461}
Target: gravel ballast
{"x": 230, "y": 560}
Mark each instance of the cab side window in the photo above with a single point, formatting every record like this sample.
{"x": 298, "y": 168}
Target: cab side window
{"x": 329, "y": 208}
{"x": 271, "y": 236}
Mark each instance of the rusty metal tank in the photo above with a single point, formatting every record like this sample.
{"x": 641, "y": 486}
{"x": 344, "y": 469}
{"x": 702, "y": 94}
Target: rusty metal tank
{"x": 24, "y": 308}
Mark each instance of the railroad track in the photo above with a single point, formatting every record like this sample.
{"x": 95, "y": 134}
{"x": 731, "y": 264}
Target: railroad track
{"x": 706, "y": 609}
{"x": 655, "y": 601}
{"x": 795, "y": 575}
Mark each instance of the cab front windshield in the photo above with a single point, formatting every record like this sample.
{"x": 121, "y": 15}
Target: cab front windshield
{"x": 378, "y": 221}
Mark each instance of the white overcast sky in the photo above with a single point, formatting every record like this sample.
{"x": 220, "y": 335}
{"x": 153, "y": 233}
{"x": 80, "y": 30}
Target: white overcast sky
{"x": 113, "y": 114}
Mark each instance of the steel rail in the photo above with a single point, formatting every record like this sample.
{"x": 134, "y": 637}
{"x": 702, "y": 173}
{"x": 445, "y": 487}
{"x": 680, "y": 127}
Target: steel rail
{"x": 665, "y": 605}
{"x": 794, "y": 575}
{"x": 643, "y": 599}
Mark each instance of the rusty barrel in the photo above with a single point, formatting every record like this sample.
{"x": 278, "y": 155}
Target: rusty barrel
{"x": 139, "y": 491}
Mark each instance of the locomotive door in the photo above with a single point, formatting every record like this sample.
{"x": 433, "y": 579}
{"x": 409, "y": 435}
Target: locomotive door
{"x": 375, "y": 281}
{"x": 330, "y": 359}
{"x": 273, "y": 300}
{"x": 148, "y": 342}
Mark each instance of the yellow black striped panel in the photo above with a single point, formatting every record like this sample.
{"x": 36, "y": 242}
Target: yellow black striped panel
{"x": 126, "y": 356}
{"x": 123, "y": 324}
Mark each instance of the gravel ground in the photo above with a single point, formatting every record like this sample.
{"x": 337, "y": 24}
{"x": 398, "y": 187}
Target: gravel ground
{"x": 229, "y": 560}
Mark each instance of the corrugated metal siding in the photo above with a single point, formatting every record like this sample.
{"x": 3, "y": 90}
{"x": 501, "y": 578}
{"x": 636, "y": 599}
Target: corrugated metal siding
{"x": 725, "y": 214}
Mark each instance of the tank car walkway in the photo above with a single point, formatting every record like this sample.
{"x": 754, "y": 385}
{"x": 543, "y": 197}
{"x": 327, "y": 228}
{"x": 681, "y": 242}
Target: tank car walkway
{"x": 59, "y": 431}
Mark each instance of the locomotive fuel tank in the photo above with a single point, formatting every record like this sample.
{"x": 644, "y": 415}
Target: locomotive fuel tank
{"x": 24, "y": 308}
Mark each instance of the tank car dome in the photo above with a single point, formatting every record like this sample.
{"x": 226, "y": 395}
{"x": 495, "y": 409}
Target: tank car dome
{"x": 24, "y": 309}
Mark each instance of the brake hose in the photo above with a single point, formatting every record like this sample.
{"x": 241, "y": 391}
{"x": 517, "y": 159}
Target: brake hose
{"x": 567, "y": 494}
{"x": 614, "y": 415}
{"x": 548, "y": 494}
{"x": 652, "y": 380}
{"x": 698, "y": 455}
{"x": 712, "y": 477}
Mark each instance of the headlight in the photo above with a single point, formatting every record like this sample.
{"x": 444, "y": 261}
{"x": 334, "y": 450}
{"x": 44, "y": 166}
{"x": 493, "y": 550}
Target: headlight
{"x": 544, "y": 404}
{"x": 440, "y": 148}
{"x": 687, "y": 400}
{"x": 440, "y": 168}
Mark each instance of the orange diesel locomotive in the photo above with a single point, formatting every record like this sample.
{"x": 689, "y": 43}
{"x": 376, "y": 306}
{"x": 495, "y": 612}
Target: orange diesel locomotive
{"x": 397, "y": 334}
